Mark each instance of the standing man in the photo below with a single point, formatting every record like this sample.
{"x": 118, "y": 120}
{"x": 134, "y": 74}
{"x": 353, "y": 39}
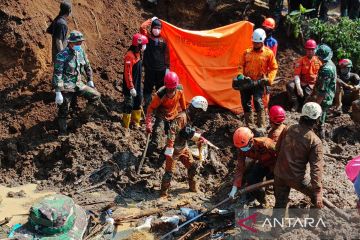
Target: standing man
{"x": 168, "y": 102}
{"x": 132, "y": 81}
{"x": 347, "y": 86}
{"x": 325, "y": 86}
{"x": 71, "y": 63}
{"x": 258, "y": 67}
{"x": 259, "y": 149}
{"x": 177, "y": 148}
{"x": 306, "y": 70}
{"x": 270, "y": 41}
{"x": 58, "y": 29}
{"x": 156, "y": 58}
{"x": 298, "y": 146}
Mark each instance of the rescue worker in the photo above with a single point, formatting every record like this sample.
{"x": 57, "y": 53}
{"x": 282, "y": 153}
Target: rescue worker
{"x": 132, "y": 81}
{"x": 350, "y": 8}
{"x": 270, "y": 41}
{"x": 54, "y": 217}
{"x": 71, "y": 63}
{"x": 298, "y": 145}
{"x": 258, "y": 67}
{"x": 325, "y": 86}
{"x": 347, "y": 86}
{"x": 306, "y": 70}
{"x": 277, "y": 117}
{"x": 58, "y": 29}
{"x": 156, "y": 58}
{"x": 259, "y": 149}
{"x": 181, "y": 131}
{"x": 168, "y": 101}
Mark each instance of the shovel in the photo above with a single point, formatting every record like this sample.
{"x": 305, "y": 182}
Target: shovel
{"x": 144, "y": 154}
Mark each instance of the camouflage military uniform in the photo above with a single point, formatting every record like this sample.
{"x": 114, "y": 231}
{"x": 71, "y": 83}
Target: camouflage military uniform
{"x": 54, "y": 217}
{"x": 325, "y": 87}
{"x": 69, "y": 67}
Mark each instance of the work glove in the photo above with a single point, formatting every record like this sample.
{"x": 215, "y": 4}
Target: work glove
{"x": 148, "y": 127}
{"x": 233, "y": 192}
{"x": 299, "y": 90}
{"x": 91, "y": 84}
{"x": 153, "y": 18}
{"x": 133, "y": 92}
{"x": 59, "y": 98}
{"x": 319, "y": 200}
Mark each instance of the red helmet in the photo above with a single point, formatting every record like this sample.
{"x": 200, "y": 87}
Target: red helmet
{"x": 171, "y": 80}
{"x": 345, "y": 63}
{"x": 242, "y": 137}
{"x": 310, "y": 44}
{"x": 277, "y": 114}
{"x": 139, "y": 39}
{"x": 269, "y": 23}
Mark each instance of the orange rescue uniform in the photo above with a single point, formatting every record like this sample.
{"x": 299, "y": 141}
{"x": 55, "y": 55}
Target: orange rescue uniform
{"x": 274, "y": 133}
{"x": 258, "y": 64}
{"x": 262, "y": 150}
{"x": 307, "y": 69}
{"x": 167, "y": 108}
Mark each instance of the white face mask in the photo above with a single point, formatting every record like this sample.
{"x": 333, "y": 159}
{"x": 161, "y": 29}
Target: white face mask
{"x": 156, "y": 32}
{"x": 143, "y": 47}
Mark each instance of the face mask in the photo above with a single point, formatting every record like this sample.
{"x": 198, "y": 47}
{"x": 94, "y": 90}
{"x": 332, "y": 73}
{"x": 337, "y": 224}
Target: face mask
{"x": 143, "y": 47}
{"x": 156, "y": 32}
{"x": 247, "y": 148}
{"x": 77, "y": 48}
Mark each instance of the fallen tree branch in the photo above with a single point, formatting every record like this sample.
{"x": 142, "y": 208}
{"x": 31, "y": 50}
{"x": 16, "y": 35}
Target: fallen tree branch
{"x": 90, "y": 188}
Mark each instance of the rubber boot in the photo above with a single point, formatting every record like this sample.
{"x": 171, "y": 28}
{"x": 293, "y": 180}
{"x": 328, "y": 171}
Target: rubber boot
{"x": 193, "y": 186}
{"x": 165, "y": 185}
{"x": 89, "y": 110}
{"x": 126, "y": 120}
{"x": 62, "y": 126}
{"x": 249, "y": 119}
{"x": 261, "y": 119}
{"x": 136, "y": 117}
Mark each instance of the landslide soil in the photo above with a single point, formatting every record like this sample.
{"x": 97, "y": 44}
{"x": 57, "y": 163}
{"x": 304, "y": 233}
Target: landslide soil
{"x": 100, "y": 152}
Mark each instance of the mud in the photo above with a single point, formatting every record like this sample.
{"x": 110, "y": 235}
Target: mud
{"x": 100, "y": 153}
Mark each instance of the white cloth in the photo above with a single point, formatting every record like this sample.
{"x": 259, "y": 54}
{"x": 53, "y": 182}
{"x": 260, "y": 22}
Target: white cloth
{"x": 91, "y": 84}
{"x": 233, "y": 192}
{"x": 153, "y": 18}
{"x": 299, "y": 90}
{"x": 133, "y": 92}
{"x": 59, "y": 98}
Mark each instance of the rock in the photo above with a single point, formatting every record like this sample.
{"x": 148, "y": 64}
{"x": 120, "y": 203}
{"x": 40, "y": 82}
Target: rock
{"x": 20, "y": 194}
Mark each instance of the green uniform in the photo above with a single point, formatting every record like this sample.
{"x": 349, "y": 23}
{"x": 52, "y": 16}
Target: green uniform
{"x": 325, "y": 87}
{"x": 69, "y": 68}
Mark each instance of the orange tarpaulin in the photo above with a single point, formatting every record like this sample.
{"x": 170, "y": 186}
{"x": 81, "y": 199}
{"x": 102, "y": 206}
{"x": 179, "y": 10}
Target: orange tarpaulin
{"x": 207, "y": 61}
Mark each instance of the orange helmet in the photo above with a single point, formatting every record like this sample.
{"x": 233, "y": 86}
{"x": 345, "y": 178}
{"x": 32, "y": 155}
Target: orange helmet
{"x": 269, "y": 23}
{"x": 242, "y": 137}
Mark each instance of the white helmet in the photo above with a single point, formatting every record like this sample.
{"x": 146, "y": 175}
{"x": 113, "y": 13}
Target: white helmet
{"x": 259, "y": 35}
{"x": 311, "y": 110}
{"x": 199, "y": 102}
